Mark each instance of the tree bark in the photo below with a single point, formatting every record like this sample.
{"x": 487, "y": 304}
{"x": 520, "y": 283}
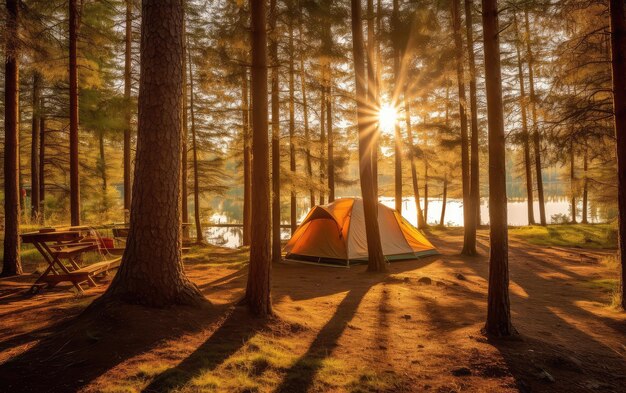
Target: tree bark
{"x": 572, "y": 180}
{"x": 585, "y": 212}
{"x": 378, "y": 84}
{"x": 292, "y": 130}
{"x": 322, "y": 165}
{"x": 305, "y": 112}
{"x": 258, "y": 297}
{"x": 376, "y": 260}
{"x": 42, "y": 162}
{"x": 330, "y": 138}
{"x": 11, "y": 264}
{"x": 73, "y": 73}
{"x": 273, "y": 48}
{"x": 397, "y": 134}
{"x": 185, "y": 140}
{"x": 536, "y": 137}
{"x": 416, "y": 192}
{"x": 525, "y": 134}
{"x": 498, "y": 303}
{"x": 127, "y": 98}
{"x": 152, "y": 271}
{"x": 474, "y": 154}
{"x": 196, "y": 175}
{"x": 34, "y": 148}
{"x": 247, "y": 158}
{"x": 444, "y": 199}
{"x": 373, "y": 93}
{"x": 469, "y": 215}
{"x": 102, "y": 161}
{"x": 618, "y": 63}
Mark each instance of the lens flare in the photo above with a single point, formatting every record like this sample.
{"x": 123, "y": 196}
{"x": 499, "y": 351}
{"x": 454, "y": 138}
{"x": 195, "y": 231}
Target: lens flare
{"x": 387, "y": 118}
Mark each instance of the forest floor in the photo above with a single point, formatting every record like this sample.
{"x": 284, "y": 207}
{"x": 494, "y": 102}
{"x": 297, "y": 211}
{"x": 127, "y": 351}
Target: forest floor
{"x": 415, "y": 329}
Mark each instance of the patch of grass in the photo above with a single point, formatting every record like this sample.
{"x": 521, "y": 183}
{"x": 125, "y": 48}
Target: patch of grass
{"x": 124, "y": 387}
{"x": 370, "y": 382}
{"x": 605, "y": 284}
{"x": 590, "y": 236}
{"x": 207, "y": 381}
{"x": 151, "y": 369}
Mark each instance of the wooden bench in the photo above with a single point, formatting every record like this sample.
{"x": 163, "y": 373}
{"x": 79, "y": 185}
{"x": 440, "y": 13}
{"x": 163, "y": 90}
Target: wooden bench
{"x": 84, "y": 274}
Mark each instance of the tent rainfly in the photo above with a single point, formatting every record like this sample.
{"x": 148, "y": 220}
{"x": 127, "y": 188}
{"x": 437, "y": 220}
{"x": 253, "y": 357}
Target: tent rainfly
{"x": 335, "y": 234}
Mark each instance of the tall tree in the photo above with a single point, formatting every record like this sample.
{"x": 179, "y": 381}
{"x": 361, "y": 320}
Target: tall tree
{"x": 533, "y": 110}
{"x": 305, "y": 113}
{"x": 373, "y": 70}
{"x": 152, "y": 271}
{"x": 618, "y": 63}
{"x": 397, "y": 69}
{"x": 258, "y": 297}
{"x": 292, "y": 123}
{"x": 247, "y": 157}
{"x": 366, "y": 126}
{"x": 73, "y": 73}
{"x": 185, "y": 141}
{"x": 572, "y": 180}
{"x": 525, "y": 135}
{"x": 421, "y": 223}
{"x": 194, "y": 146}
{"x": 469, "y": 215}
{"x": 35, "y": 144}
{"x": 42, "y": 159}
{"x": 474, "y": 154}
{"x": 11, "y": 264}
{"x": 498, "y": 303}
{"x": 128, "y": 42}
{"x": 273, "y": 49}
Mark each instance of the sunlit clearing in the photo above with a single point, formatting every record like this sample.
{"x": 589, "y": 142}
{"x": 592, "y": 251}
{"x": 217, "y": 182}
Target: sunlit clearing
{"x": 387, "y": 118}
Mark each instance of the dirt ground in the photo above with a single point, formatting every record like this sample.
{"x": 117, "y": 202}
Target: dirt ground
{"x": 416, "y": 329}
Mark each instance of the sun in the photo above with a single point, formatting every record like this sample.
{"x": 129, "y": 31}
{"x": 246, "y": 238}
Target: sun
{"x": 387, "y": 118}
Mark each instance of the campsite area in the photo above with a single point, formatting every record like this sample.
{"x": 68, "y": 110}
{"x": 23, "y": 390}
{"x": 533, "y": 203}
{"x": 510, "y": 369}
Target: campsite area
{"x": 415, "y": 329}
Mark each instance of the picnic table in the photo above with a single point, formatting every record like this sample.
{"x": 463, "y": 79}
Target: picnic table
{"x": 62, "y": 249}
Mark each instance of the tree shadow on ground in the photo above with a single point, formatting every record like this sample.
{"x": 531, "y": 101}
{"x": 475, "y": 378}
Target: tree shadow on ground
{"x": 77, "y": 351}
{"x": 235, "y": 329}
{"x": 301, "y": 375}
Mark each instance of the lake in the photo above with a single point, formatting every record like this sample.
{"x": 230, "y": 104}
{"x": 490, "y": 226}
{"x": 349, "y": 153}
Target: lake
{"x": 227, "y": 212}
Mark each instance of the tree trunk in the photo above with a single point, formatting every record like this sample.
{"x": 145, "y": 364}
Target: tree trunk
{"x": 305, "y": 113}
{"x": 273, "y": 48}
{"x": 196, "y": 181}
{"x": 247, "y": 158}
{"x": 397, "y": 134}
{"x": 572, "y": 180}
{"x": 34, "y": 148}
{"x": 127, "y": 98}
{"x": 376, "y": 260}
{"x": 474, "y": 156}
{"x": 585, "y": 212}
{"x": 409, "y": 132}
{"x": 185, "y": 141}
{"x": 525, "y": 135}
{"x": 258, "y": 297}
{"x": 73, "y": 72}
{"x": 498, "y": 303}
{"x": 42, "y": 162}
{"x": 536, "y": 138}
{"x": 373, "y": 94}
{"x": 331, "y": 139}
{"x": 469, "y": 215}
{"x": 618, "y": 63}
{"x": 11, "y": 264}
{"x": 292, "y": 130}
{"x": 426, "y": 192}
{"x": 152, "y": 271}
{"x": 444, "y": 199}
{"x": 378, "y": 84}
{"x": 102, "y": 161}
{"x": 322, "y": 144}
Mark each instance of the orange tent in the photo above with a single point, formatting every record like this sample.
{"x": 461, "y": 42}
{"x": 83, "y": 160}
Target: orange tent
{"x": 335, "y": 234}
